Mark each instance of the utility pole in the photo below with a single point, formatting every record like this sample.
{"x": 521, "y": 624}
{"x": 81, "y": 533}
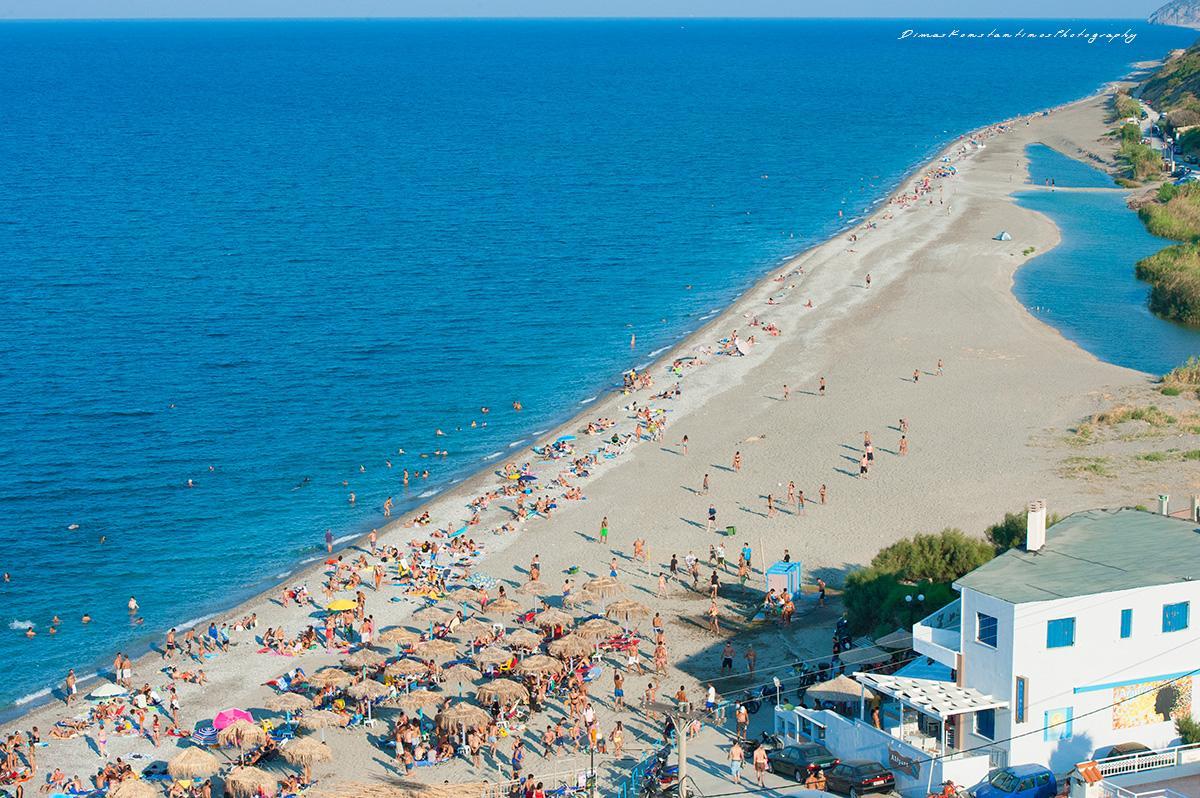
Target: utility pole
{"x": 681, "y": 715}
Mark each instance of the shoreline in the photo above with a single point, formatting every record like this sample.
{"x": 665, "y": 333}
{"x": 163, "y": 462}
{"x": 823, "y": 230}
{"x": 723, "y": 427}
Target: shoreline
{"x": 393, "y": 532}
{"x": 942, "y": 288}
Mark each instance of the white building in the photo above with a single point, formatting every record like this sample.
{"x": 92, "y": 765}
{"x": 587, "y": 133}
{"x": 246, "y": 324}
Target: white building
{"x": 1084, "y": 638}
{"x": 1090, "y": 636}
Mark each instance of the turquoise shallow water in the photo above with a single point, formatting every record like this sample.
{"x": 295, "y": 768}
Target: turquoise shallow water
{"x": 1085, "y": 287}
{"x": 285, "y": 250}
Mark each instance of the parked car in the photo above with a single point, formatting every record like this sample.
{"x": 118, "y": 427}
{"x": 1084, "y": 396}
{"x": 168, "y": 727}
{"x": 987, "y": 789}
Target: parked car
{"x": 1122, "y": 749}
{"x": 1017, "y": 781}
{"x": 798, "y": 760}
{"x": 859, "y": 777}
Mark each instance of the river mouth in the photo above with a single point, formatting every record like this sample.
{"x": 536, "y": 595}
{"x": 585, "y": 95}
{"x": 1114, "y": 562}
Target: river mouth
{"x": 1085, "y": 287}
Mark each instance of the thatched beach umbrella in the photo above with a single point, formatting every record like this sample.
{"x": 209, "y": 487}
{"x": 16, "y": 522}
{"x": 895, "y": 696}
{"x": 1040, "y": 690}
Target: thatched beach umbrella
{"x": 135, "y": 788}
{"x": 597, "y": 628}
{"x": 435, "y": 649}
{"x": 193, "y": 763}
{"x": 364, "y": 658}
{"x": 462, "y": 715}
{"x": 331, "y": 677}
{"x": 434, "y": 614}
{"x": 244, "y": 782}
{"x": 524, "y": 639}
{"x": 421, "y": 699}
{"x": 604, "y": 586}
{"x": 501, "y": 606}
{"x": 306, "y": 752}
{"x": 553, "y": 617}
{"x": 405, "y": 668}
{"x": 461, "y": 673}
{"x": 839, "y": 689}
{"x": 320, "y": 719}
{"x": 242, "y": 734}
{"x": 502, "y": 690}
{"x": 898, "y": 640}
{"x": 627, "y": 609}
{"x": 467, "y": 594}
{"x": 492, "y": 656}
{"x": 370, "y": 691}
{"x": 571, "y": 646}
{"x": 398, "y": 636}
{"x": 539, "y": 664}
{"x": 472, "y": 628}
{"x": 289, "y": 703}
{"x": 535, "y": 589}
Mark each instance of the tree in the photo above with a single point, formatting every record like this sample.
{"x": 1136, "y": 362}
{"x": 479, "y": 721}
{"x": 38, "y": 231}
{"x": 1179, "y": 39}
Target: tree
{"x": 882, "y": 596}
{"x": 1010, "y": 532}
{"x": 1187, "y": 729}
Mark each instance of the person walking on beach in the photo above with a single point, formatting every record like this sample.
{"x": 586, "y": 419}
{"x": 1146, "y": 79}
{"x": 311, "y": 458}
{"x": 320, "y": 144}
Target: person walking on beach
{"x": 916, "y": 376}
{"x": 102, "y": 740}
{"x": 329, "y": 541}
{"x": 822, "y": 493}
{"x": 704, "y": 486}
{"x": 791, "y": 492}
{"x": 770, "y": 506}
{"x": 712, "y": 518}
{"x": 683, "y": 444}
{"x": 69, "y": 688}
{"x": 737, "y": 758}
{"x": 760, "y": 753}
{"x": 862, "y": 467}
{"x": 727, "y": 657}
{"x": 714, "y": 618}
{"x": 800, "y": 503}
{"x": 751, "y": 658}
{"x": 374, "y": 539}
{"x": 604, "y": 529}
{"x": 821, "y": 387}
{"x": 737, "y": 462}
{"x": 787, "y": 392}
{"x": 939, "y": 367}
{"x": 903, "y": 445}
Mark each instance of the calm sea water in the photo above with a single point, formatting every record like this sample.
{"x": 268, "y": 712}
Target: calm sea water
{"x": 262, "y": 255}
{"x": 1085, "y": 287}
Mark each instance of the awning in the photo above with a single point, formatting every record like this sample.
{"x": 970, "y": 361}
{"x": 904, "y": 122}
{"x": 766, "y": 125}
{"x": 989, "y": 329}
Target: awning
{"x": 941, "y": 700}
{"x": 867, "y": 655}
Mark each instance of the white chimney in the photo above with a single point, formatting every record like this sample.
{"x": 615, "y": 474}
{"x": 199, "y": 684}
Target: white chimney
{"x": 1035, "y": 526}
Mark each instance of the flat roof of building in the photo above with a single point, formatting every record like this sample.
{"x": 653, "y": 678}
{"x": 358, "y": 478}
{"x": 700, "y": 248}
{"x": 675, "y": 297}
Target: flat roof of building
{"x": 1096, "y": 551}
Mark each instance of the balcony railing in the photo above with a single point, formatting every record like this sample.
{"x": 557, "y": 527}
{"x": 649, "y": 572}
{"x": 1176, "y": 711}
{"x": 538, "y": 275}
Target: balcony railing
{"x": 1148, "y": 760}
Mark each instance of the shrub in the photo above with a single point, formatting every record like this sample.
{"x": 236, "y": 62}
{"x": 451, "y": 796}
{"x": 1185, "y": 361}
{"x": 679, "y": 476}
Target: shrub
{"x": 1170, "y": 390}
{"x": 1188, "y": 730}
{"x": 1174, "y": 277}
{"x": 1187, "y": 374}
{"x": 937, "y": 558}
{"x": 1125, "y": 106}
{"x": 1167, "y": 192}
{"x": 875, "y": 596}
{"x": 1010, "y": 531}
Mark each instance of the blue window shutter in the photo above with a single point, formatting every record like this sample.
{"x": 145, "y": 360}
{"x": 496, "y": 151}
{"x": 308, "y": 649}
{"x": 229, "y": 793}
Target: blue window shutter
{"x": 985, "y": 723}
{"x": 1175, "y": 616}
{"x": 1126, "y": 623}
{"x": 1060, "y": 633}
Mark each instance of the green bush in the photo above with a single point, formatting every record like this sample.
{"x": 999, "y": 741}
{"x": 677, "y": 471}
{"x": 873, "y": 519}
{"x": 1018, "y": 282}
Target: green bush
{"x": 1174, "y": 277}
{"x": 1188, "y": 730}
{"x": 1185, "y": 375}
{"x": 875, "y": 596}
{"x": 1167, "y": 192}
{"x": 937, "y": 558}
{"x": 1125, "y": 106}
{"x": 1176, "y": 215}
{"x": 1010, "y": 532}
{"x": 1142, "y": 159}
{"x": 1170, "y": 390}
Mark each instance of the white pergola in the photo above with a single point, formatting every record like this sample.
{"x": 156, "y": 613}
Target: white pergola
{"x": 936, "y": 699}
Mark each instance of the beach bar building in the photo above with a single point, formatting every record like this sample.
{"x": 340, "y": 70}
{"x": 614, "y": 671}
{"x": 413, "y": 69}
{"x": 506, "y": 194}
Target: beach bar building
{"x": 1079, "y": 640}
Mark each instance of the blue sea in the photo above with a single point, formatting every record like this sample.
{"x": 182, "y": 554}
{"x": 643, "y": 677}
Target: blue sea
{"x": 267, "y": 256}
{"x": 1085, "y": 287}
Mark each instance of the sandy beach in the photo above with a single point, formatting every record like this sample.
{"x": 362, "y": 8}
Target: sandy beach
{"x": 990, "y": 432}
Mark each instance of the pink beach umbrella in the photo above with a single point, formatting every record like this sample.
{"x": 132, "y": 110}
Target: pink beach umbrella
{"x": 226, "y": 717}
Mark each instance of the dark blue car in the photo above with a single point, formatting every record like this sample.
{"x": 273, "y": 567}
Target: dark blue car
{"x": 1018, "y": 781}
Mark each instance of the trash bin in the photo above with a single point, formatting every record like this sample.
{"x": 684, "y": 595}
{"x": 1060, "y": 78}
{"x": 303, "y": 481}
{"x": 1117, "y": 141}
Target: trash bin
{"x": 730, "y": 531}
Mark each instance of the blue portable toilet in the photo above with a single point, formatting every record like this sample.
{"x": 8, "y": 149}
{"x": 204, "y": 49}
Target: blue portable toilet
{"x": 784, "y": 576}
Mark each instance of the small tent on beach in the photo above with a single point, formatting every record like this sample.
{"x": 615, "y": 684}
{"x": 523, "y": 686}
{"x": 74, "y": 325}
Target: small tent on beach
{"x": 1002, "y": 236}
